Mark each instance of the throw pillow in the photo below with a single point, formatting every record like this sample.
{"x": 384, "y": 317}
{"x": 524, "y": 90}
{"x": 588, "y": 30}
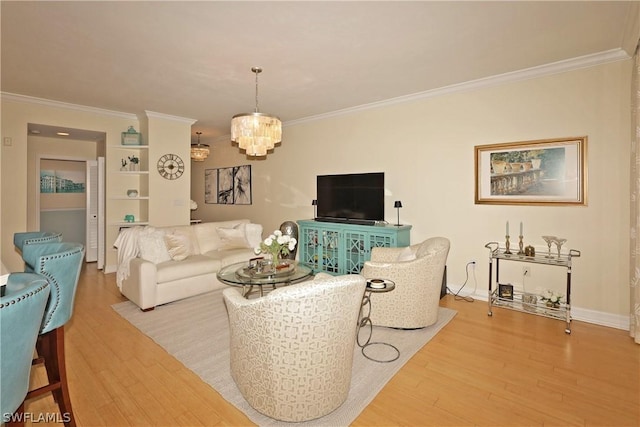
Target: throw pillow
{"x": 233, "y": 238}
{"x": 253, "y": 234}
{"x": 152, "y": 247}
{"x": 178, "y": 245}
{"x": 406, "y": 254}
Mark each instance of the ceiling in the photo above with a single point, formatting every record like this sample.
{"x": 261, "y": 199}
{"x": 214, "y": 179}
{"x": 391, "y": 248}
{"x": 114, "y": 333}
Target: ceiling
{"x": 194, "y": 59}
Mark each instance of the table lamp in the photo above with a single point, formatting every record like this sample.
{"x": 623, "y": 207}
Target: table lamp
{"x": 398, "y": 204}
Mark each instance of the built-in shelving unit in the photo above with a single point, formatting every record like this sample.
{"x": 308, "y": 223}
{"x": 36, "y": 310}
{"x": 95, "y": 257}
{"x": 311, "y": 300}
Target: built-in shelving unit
{"x": 124, "y": 179}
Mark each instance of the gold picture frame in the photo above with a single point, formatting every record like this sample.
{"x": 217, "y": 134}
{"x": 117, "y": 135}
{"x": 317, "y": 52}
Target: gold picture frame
{"x": 540, "y": 172}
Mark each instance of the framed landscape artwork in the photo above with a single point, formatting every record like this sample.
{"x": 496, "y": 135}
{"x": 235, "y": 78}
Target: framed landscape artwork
{"x": 541, "y": 172}
{"x": 228, "y": 186}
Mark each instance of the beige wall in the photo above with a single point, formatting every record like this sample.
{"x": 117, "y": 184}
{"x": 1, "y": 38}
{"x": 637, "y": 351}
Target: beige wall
{"x": 426, "y": 149}
{"x": 16, "y": 114}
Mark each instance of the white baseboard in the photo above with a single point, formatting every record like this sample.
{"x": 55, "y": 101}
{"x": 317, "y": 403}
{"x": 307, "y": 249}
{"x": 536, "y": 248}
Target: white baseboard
{"x": 601, "y": 318}
{"x": 110, "y": 269}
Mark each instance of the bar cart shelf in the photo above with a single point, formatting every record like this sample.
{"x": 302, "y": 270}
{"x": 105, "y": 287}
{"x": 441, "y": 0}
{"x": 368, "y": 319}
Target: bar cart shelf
{"x": 520, "y": 301}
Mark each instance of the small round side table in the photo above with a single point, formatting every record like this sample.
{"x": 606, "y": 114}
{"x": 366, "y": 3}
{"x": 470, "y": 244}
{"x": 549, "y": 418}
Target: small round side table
{"x": 374, "y": 286}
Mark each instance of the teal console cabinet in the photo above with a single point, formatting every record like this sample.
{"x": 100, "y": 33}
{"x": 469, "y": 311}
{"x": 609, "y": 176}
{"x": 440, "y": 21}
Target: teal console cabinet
{"x": 339, "y": 248}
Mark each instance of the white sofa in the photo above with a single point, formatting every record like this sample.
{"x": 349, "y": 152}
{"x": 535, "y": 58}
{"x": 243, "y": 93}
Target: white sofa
{"x": 158, "y": 265}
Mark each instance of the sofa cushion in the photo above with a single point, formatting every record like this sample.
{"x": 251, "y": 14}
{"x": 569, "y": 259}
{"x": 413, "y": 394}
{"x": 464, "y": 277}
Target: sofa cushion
{"x": 207, "y": 235}
{"x": 194, "y": 265}
{"x": 253, "y": 234}
{"x": 233, "y": 238}
{"x": 406, "y": 254}
{"x": 188, "y": 231}
{"x": 152, "y": 247}
{"x": 178, "y": 245}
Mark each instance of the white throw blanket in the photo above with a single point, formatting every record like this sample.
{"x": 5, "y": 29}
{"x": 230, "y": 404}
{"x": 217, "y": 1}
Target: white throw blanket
{"x": 127, "y": 245}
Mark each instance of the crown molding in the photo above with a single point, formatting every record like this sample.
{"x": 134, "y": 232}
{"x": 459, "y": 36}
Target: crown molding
{"x": 58, "y": 104}
{"x": 169, "y": 117}
{"x": 586, "y": 61}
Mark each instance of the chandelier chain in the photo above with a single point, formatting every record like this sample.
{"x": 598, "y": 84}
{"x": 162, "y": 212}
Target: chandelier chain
{"x": 257, "y": 71}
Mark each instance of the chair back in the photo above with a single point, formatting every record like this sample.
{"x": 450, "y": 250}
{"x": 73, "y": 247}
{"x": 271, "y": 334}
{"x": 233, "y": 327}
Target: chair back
{"x": 34, "y": 237}
{"x": 21, "y": 311}
{"x": 305, "y": 334}
{"x": 61, "y": 264}
{"x": 30, "y": 237}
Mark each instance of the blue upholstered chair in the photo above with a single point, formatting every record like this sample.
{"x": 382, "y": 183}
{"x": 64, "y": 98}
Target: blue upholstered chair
{"x": 34, "y": 237}
{"x": 60, "y": 263}
{"x": 21, "y": 311}
{"x": 29, "y": 237}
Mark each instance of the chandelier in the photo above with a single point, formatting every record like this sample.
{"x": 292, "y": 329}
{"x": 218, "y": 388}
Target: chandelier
{"x": 199, "y": 152}
{"x": 256, "y": 132}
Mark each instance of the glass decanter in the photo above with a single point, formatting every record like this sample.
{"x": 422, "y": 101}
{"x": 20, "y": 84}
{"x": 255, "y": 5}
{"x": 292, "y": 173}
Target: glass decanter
{"x": 549, "y": 240}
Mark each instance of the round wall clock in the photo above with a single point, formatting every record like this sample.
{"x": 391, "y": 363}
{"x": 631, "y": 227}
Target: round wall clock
{"x": 170, "y": 166}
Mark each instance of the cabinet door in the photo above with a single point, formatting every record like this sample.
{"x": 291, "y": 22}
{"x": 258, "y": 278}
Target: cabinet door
{"x": 330, "y": 251}
{"x": 357, "y": 251}
{"x": 308, "y": 242}
{"x": 384, "y": 240}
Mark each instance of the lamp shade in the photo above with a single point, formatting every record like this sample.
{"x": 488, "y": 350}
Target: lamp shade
{"x": 397, "y": 204}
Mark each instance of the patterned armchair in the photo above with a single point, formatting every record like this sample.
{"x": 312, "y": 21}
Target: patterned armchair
{"x": 417, "y": 271}
{"x": 292, "y": 350}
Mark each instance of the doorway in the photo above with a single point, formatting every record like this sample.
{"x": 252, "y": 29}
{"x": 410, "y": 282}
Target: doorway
{"x": 68, "y": 186}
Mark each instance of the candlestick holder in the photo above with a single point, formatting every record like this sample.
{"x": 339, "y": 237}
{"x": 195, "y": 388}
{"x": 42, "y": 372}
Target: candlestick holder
{"x": 506, "y": 245}
{"x": 521, "y": 246}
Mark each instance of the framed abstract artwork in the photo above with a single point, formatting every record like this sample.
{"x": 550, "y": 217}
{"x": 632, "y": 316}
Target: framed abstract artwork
{"x": 541, "y": 172}
{"x": 228, "y": 186}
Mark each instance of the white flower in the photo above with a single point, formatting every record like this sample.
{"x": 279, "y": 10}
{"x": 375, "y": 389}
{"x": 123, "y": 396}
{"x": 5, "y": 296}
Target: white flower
{"x": 194, "y": 205}
{"x": 292, "y": 244}
{"x": 277, "y": 244}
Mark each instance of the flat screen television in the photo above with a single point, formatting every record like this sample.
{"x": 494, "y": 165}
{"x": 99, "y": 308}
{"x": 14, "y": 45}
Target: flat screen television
{"x": 355, "y": 198}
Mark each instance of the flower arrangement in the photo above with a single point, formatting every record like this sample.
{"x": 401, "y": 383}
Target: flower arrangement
{"x": 134, "y": 159}
{"x": 276, "y": 244}
{"x": 552, "y": 298}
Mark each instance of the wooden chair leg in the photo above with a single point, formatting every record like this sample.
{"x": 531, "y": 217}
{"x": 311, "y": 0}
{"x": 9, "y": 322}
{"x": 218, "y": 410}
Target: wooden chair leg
{"x": 52, "y": 347}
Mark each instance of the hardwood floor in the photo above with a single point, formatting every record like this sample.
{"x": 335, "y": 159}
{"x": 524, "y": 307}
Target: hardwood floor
{"x": 512, "y": 369}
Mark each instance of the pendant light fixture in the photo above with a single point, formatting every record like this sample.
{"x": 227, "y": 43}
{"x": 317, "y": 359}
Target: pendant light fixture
{"x": 199, "y": 152}
{"x": 256, "y": 132}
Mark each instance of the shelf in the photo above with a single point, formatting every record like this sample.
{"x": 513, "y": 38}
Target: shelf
{"x": 129, "y": 198}
{"x": 131, "y": 172}
{"x": 128, "y": 224}
{"x": 540, "y": 258}
{"x": 539, "y": 308}
{"x": 130, "y": 147}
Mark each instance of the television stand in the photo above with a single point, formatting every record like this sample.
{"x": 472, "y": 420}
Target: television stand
{"x": 343, "y": 248}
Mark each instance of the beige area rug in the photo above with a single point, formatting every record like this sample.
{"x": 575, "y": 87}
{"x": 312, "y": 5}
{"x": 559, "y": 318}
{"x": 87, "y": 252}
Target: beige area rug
{"x": 195, "y": 331}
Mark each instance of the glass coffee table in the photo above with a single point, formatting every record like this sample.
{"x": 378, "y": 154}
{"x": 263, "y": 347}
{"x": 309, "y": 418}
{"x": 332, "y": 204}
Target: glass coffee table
{"x": 243, "y": 274}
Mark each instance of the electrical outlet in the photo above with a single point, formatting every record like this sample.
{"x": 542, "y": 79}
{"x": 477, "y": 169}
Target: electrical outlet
{"x": 526, "y": 271}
